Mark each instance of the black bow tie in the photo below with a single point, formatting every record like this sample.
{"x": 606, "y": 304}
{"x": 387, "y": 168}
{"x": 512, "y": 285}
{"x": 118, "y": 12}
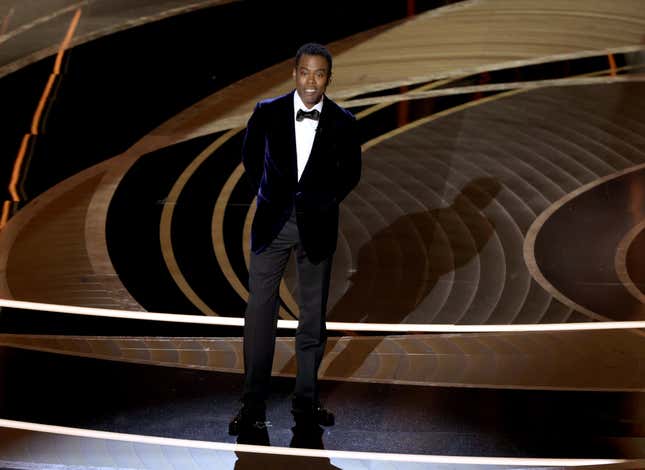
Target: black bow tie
{"x": 313, "y": 114}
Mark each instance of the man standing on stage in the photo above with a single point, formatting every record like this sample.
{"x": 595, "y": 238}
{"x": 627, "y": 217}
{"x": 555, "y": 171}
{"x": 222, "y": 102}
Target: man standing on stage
{"x": 302, "y": 155}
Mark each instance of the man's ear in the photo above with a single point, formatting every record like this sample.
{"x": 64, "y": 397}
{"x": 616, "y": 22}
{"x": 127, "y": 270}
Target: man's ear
{"x": 293, "y": 73}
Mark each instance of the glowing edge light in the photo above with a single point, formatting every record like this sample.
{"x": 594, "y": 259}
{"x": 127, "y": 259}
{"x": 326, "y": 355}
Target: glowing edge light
{"x": 329, "y": 454}
{"x": 338, "y": 326}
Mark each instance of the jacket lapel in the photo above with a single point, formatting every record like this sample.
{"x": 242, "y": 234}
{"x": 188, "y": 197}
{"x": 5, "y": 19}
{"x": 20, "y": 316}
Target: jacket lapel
{"x": 289, "y": 136}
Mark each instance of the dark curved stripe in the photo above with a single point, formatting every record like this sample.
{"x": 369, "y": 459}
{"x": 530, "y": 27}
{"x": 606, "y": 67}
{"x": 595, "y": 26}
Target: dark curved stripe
{"x": 132, "y": 228}
{"x": 576, "y": 247}
{"x": 635, "y": 257}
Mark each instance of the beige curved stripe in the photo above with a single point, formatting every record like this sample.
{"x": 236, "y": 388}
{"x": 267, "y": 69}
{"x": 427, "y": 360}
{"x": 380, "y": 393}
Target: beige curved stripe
{"x": 620, "y": 262}
{"x": 4, "y": 37}
{"x": 217, "y": 233}
{"x": 48, "y": 262}
{"x": 417, "y": 94}
{"x": 100, "y": 26}
{"x": 534, "y": 229}
{"x": 166, "y": 223}
{"x": 383, "y": 101}
{"x": 601, "y": 360}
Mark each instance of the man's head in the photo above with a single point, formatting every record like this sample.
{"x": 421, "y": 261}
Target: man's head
{"x": 312, "y": 72}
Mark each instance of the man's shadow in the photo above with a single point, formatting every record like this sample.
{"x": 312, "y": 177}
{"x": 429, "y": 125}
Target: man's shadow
{"x": 303, "y": 437}
{"x": 398, "y": 268}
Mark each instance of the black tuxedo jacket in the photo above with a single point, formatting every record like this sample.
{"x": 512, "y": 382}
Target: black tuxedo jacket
{"x": 332, "y": 171}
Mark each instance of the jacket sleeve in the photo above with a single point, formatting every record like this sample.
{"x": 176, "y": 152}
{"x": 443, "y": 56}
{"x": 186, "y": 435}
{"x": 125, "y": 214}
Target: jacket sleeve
{"x": 350, "y": 164}
{"x": 253, "y": 148}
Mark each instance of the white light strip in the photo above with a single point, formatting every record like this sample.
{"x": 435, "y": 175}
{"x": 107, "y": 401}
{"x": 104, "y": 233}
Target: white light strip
{"x": 329, "y": 454}
{"x": 333, "y": 326}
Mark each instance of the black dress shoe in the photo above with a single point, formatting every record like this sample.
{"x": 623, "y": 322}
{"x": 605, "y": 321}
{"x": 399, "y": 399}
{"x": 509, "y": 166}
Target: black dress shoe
{"x": 250, "y": 417}
{"x": 307, "y": 437}
{"x": 307, "y": 412}
{"x": 254, "y": 435}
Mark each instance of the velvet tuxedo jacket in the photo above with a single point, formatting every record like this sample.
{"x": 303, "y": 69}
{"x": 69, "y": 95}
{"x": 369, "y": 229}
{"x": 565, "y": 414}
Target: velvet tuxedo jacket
{"x": 332, "y": 171}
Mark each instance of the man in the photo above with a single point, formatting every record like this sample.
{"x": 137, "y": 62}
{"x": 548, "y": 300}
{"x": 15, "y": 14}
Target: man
{"x": 302, "y": 157}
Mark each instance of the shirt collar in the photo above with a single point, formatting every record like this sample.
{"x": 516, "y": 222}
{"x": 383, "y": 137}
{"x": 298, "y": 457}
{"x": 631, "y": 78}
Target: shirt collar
{"x": 298, "y": 104}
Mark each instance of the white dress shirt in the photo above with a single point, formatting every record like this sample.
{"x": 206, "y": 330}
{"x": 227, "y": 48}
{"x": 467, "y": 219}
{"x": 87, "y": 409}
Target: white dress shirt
{"x": 305, "y": 132}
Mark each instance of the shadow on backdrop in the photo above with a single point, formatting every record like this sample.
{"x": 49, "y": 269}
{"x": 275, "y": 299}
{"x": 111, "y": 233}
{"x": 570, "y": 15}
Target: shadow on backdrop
{"x": 402, "y": 263}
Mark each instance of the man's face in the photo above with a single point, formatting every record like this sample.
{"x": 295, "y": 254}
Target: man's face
{"x": 312, "y": 77}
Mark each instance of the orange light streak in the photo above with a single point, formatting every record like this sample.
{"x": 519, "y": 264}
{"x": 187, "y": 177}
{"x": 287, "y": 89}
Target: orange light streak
{"x": 5, "y": 21}
{"x": 5, "y": 213}
{"x": 15, "y": 175}
{"x": 35, "y": 123}
{"x": 66, "y": 42}
{"x": 411, "y": 8}
{"x": 41, "y": 104}
{"x": 612, "y": 65}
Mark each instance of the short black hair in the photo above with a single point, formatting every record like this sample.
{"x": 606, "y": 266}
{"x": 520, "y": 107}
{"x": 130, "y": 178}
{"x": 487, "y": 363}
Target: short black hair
{"x": 313, "y": 48}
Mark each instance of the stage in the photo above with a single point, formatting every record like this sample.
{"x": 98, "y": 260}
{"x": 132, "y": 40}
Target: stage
{"x": 487, "y": 295}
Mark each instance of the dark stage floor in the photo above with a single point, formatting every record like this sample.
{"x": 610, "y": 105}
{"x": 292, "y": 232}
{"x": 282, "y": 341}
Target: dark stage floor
{"x": 489, "y": 262}
{"x": 390, "y": 418}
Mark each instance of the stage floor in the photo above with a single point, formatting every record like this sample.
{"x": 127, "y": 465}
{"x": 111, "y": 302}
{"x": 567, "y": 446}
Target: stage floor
{"x": 487, "y": 297}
